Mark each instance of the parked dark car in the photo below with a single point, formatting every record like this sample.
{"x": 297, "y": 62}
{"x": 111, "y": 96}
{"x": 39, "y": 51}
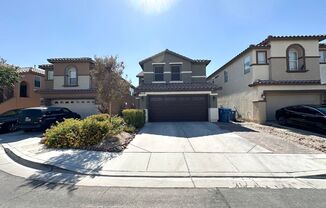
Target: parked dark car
{"x": 307, "y": 116}
{"x": 43, "y": 117}
{"x": 9, "y": 120}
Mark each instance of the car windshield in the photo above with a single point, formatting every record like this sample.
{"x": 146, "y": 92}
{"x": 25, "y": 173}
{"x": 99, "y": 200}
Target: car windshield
{"x": 31, "y": 112}
{"x": 322, "y": 109}
{"x": 9, "y": 113}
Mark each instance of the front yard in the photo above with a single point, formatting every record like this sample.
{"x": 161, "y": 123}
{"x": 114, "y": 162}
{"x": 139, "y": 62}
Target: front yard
{"x": 99, "y": 132}
{"x": 279, "y": 139}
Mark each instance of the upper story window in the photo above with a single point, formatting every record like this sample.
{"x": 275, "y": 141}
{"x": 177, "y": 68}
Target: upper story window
{"x": 71, "y": 76}
{"x": 247, "y": 63}
{"x": 261, "y": 57}
{"x": 50, "y": 75}
{"x": 175, "y": 73}
{"x": 23, "y": 89}
{"x": 322, "y": 55}
{"x": 37, "y": 81}
{"x": 158, "y": 73}
{"x": 295, "y": 56}
{"x": 226, "y": 76}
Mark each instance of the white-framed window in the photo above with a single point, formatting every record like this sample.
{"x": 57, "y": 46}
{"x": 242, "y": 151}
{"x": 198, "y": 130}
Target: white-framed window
{"x": 247, "y": 63}
{"x": 158, "y": 73}
{"x": 261, "y": 57}
{"x": 293, "y": 60}
{"x": 37, "y": 82}
{"x": 71, "y": 76}
{"x": 50, "y": 75}
{"x": 175, "y": 73}
{"x": 322, "y": 55}
{"x": 226, "y": 76}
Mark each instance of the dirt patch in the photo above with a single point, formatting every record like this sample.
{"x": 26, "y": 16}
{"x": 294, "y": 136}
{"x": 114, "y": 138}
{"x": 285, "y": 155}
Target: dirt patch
{"x": 302, "y": 137}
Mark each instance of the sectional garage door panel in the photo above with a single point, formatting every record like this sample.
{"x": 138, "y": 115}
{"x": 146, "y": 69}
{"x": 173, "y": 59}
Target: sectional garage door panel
{"x": 275, "y": 101}
{"x": 178, "y": 108}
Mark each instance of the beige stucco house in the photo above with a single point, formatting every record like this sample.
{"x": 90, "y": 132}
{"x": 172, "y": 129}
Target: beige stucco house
{"x": 25, "y": 93}
{"x": 69, "y": 84}
{"x": 173, "y": 87}
{"x": 278, "y": 72}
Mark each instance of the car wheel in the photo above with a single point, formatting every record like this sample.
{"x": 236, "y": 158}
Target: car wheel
{"x": 282, "y": 120}
{"x": 12, "y": 127}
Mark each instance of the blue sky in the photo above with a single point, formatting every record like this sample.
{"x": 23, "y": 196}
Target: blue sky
{"x": 32, "y": 31}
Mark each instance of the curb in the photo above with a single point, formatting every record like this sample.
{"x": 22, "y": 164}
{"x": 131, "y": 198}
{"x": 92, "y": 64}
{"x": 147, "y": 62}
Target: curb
{"x": 30, "y": 162}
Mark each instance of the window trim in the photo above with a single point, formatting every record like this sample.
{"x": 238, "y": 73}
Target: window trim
{"x": 180, "y": 78}
{"x": 66, "y": 84}
{"x": 35, "y": 81}
{"x": 303, "y": 59}
{"x": 20, "y": 87}
{"x": 257, "y": 57}
{"x": 246, "y": 71}
{"x": 322, "y": 62}
{"x": 47, "y": 75}
{"x": 154, "y": 70}
{"x": 226, "y": 76}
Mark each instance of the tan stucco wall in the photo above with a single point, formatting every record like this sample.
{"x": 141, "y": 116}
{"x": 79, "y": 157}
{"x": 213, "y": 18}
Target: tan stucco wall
{"x": 82, "y": 68}
{"x": 33, "y": 98}
{"x": 278, "y": 47}
{"x": 187, "y": 68}
{"x": 83, "y": 83}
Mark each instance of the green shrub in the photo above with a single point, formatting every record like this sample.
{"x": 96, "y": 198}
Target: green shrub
{"x": 99, "y": 117}
{"x": 129, "y": 129}
{"x": 134, "y": 117}
{"x": 83, "y": 133}
{"x": 64, "y": 134}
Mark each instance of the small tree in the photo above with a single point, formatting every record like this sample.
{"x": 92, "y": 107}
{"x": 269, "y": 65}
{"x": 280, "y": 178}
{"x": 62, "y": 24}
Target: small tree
{"x": 9, "y": 75}
{"x": 111, "y": 87}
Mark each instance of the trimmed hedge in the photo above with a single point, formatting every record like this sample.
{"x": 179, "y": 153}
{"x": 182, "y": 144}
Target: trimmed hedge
{"x": 134, "y": 117}
{"x": 83, "y": 133}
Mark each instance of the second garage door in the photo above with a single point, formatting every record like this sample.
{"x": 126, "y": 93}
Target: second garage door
{"x": 178, "y": 108}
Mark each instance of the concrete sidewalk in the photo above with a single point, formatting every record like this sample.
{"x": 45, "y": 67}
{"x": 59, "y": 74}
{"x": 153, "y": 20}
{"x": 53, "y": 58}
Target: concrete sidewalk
{"x": 171, "y": 164}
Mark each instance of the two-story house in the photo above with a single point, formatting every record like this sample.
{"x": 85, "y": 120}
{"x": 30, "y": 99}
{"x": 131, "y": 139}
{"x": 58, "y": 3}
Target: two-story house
{"x": 25, "y": 93}
{"x": 173, "y": 87}
{"x": 278, "y": 72}
{"x": 68, "y": 83}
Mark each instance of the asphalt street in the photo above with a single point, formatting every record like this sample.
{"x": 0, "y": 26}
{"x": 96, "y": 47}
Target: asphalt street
{"x": 19, "y": 192}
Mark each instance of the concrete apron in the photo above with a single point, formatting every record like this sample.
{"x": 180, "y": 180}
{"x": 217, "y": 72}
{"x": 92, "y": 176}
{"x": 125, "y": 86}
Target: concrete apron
{"x": 171, "y": 164}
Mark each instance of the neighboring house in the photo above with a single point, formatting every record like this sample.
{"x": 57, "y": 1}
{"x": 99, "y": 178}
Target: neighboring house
{"x": 24, "y": 94}
{"x": 69, "y": 84}
{"x": 278, "y": 72}
{"x": 173, "y": 87}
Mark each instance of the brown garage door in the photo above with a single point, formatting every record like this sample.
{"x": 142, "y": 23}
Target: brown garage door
{"x": 178, "y": 108}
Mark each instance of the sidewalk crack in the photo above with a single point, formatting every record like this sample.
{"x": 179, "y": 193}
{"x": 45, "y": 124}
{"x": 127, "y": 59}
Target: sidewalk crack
{"x": 149, "y": 159}
{"x": 190, "y": 176}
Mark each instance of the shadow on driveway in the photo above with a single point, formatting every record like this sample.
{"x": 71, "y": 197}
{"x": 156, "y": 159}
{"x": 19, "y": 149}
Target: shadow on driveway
{"x": 189, "y": 129}
{"x": 18, "y": 136}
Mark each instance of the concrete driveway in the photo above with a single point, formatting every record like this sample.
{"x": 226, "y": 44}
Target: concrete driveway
{"x": 190, "y": 137}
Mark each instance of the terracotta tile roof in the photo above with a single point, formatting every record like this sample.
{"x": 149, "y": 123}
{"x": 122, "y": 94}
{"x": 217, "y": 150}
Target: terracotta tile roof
{"x": 60, "y": 60}
{"x": 285, "y": 82}
{"x": 31, "y": 69}
{"x": 265, "y": 45}
{"x": 292, "y": 37}
{"x": 177, "y": 87}
{"x": 65, "y": 91}
{"x": 175, "y": 54}
{"x": 46, "y": 66}
{"x": 140, "y": 74}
